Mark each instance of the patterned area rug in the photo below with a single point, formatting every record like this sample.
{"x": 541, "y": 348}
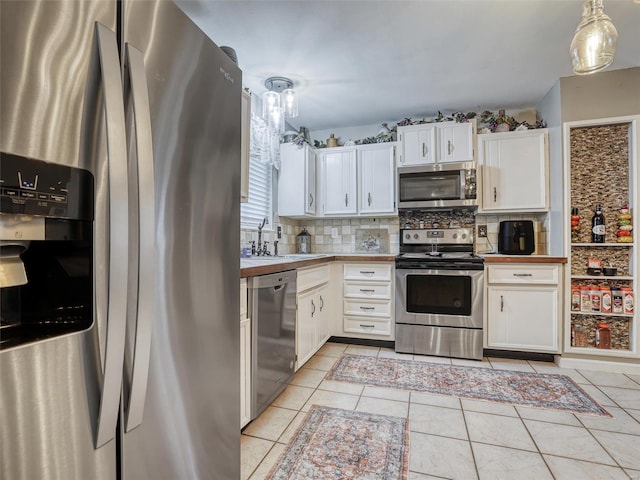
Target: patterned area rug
{"x": 335, "y": 444}
{"x": 557, "y": 392}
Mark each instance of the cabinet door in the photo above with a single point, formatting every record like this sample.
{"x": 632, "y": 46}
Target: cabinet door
{"x": 523, "y": 318}
{"x": 377, "y": 179}
{"x": 245, "y": 371}
{"x": 417, "y": 145}
{"x": 340, "y": 182}
{"x": 455, "y": 142}
{"x": 245, "y": 128}
{"x": 514, "y": 172}
{"x": 296, "y": 164}
{"x": 322, "y": 324}
{"x": 310, "y": 182}
{"x": 308, "y": 309}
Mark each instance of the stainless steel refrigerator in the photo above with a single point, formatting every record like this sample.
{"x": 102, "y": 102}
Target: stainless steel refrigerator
{"x": 135, "y": 93}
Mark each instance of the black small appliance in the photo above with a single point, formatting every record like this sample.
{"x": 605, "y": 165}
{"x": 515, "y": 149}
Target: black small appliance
{"x": 515, "y": 237}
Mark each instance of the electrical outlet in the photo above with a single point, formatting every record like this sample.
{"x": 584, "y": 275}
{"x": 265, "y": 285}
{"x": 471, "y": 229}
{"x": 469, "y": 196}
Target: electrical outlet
{"x": 482, "y": 231}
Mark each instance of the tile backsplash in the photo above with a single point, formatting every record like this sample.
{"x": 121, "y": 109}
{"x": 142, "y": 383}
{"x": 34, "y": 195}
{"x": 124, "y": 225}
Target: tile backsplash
{"x": 381, "y": 235}
{"x": 331, "y": 235}
{"x": 490, "y": 242}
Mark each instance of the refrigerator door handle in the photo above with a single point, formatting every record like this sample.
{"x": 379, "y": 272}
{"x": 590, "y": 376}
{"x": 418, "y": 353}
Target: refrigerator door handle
{"x": 118, "y": 229}
{"x": 141, "y": 153}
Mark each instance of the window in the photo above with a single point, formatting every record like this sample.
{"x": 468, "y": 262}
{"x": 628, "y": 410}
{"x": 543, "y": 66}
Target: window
{"x": 260, "y": 193}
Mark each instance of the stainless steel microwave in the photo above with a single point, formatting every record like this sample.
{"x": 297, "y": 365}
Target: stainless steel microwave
{"x": 438, "y": 185}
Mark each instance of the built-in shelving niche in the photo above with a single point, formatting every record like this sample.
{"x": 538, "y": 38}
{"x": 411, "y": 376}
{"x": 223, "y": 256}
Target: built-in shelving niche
{"x": 600, "y": 172}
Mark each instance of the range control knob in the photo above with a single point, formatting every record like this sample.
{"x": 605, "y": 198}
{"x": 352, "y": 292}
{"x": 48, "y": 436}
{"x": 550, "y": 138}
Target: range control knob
{"x": 455, "y": 235}
{"x": 407, "y": 236}
{"x": 415, "y": 235}
{"x": 464, "y": 235}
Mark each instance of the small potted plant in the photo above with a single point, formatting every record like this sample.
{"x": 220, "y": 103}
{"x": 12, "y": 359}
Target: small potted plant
{"x": 500, "y": 122}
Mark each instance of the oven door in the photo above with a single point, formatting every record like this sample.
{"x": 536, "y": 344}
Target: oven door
{"x": 451, "y": 298}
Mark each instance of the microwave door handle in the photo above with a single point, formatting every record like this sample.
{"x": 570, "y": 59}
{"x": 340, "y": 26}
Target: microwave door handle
{"x": 141, "y": 313}
{"x": 462, "y": 184}
{"x": 105, "y": 70}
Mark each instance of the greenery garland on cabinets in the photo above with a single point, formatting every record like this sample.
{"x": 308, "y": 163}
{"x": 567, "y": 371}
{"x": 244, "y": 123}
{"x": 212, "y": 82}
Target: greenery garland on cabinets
{"x": 487, "y": 122}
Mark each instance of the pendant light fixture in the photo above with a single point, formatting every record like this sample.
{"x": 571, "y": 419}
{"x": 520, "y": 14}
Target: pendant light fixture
{"x": 279, "y": 102}
{"x": 594, "y": 43}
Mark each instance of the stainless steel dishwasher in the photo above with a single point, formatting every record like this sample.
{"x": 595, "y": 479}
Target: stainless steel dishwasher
{"x": 273, "y": 336}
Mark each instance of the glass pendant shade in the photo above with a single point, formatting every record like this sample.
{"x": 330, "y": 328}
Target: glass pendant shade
{"x": 594, "y": 43}
{"x": 270, "y": 101}
{"x": 290, "y": 103}
{"x": 276, "y": 120}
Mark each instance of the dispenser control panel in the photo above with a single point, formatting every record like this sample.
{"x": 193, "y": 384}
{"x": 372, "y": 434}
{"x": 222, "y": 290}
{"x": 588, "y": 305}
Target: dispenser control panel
{"x": 34, "y": 187}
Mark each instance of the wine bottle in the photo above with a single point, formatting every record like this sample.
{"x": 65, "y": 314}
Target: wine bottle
{"x": 597, "y": 226}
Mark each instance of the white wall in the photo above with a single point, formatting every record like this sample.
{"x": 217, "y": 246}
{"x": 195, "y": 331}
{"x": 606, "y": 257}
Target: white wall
{"x": 549, "y": 109}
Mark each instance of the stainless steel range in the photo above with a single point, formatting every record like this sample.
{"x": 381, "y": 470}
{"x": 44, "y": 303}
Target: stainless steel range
{"x": 439, "y": 284}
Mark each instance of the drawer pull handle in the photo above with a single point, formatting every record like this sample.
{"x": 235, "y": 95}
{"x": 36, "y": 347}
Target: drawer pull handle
{"x": 366, "y": 272}
{"x": 367, "y": 308}
{"x": 523, "y": 275}
{"x": 501, "y": 303}
{"x": 367, "y": 290}
{"x": 363, "y": 325}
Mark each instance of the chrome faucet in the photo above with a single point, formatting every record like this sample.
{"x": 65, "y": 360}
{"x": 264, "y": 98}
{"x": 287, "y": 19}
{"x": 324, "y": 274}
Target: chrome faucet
{"x": 265, "y": 221}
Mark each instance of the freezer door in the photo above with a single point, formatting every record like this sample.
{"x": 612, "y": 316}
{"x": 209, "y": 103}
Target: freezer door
{"x": 50, "y": 391}
{"x": 191, "y": 415}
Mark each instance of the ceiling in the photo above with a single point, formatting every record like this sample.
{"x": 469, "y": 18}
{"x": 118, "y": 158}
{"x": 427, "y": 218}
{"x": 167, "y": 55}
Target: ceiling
{"x": 357, "y": 62}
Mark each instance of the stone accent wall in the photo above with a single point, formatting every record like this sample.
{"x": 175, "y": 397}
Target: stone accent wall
{"x": 599, "y": 175}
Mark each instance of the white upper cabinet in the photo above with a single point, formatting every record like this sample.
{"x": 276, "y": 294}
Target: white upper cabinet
{"x": 455, "y": 142}
{"x": 515, "y": 171}
{"x": 357, "y": 180}
{"x": 339, "y": 183}
{"x": 376, "y": 172}
{"x": 297, "y": 164}
{"x": 417, "y": 144}
{"x": 429, "y": 143}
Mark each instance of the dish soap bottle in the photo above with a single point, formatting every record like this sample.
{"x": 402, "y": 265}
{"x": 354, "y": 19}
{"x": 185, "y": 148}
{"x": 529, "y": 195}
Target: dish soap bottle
{"x": 597, "y": 226}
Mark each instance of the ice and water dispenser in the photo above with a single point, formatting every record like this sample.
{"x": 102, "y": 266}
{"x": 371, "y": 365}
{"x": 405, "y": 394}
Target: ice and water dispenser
{"x": 46, "y": 250}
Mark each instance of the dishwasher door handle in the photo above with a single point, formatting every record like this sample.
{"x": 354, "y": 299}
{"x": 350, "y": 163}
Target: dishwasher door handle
{"x": 278, "y": 287}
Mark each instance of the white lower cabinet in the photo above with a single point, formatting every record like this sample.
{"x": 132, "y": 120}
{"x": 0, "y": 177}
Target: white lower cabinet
{"x": 367, "y": 301}
{"x": 312, "y": 324}
{"x": 245, "y": 357}
{"x": 523, "y": 307}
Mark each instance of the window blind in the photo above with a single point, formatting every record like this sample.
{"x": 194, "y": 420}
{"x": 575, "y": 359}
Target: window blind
{"x": 259, "y": 205}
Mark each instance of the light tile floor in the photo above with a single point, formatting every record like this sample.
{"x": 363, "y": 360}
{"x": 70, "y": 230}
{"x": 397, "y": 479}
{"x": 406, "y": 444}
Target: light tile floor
{"x": 458, "y": 438}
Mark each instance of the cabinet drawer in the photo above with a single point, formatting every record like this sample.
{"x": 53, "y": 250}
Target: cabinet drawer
{"x": 243, "y": 298}
{"x": 529, "y": 274}
{"x": 367, "y": 308}
{"x": 380, "y": 290}
{"x": 367, "y": 325}
{"x": 367, "y": 271}
{"x": 312, "y": 277}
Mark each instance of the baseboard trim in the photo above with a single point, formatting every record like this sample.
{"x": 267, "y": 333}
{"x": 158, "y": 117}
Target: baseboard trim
{"x": 533, "y": 356}
{"x": 614, "y": 366}
{"x": 364, "y": 341}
